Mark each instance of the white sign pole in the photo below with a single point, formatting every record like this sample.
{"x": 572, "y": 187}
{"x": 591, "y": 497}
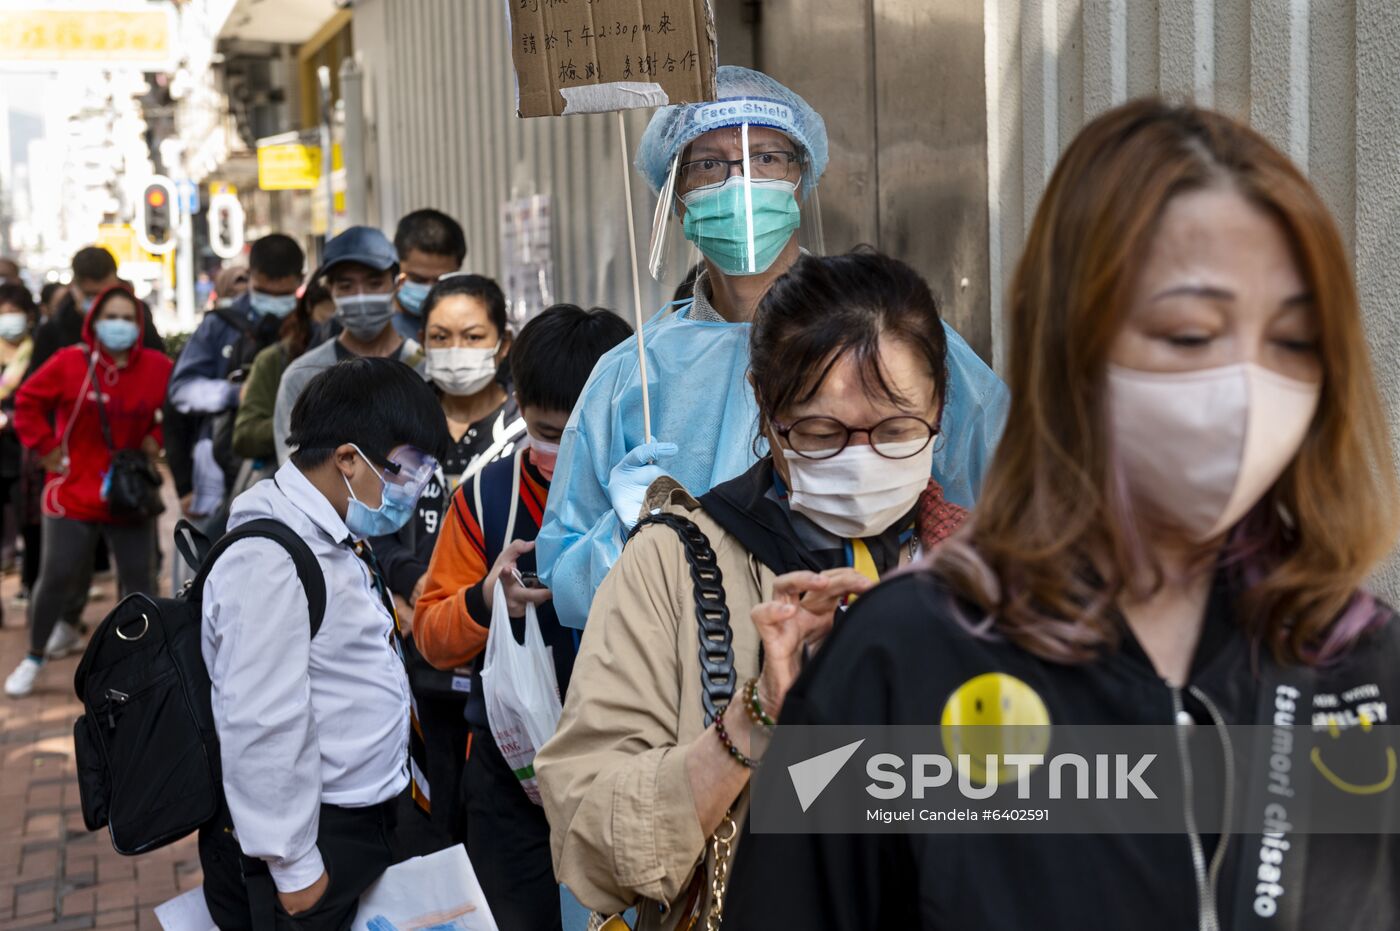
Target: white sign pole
{"x": 636, "y": 278}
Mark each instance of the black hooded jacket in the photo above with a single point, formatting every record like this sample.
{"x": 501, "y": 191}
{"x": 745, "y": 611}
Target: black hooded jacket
{"x": 898, "y": 655}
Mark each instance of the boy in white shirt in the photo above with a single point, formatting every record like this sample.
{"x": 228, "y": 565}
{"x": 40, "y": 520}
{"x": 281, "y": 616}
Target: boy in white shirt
{"x": 314, "y": 732}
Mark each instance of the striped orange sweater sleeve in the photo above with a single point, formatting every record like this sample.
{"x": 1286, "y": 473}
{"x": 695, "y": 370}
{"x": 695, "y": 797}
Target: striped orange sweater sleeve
{"x": 443, "y": 629}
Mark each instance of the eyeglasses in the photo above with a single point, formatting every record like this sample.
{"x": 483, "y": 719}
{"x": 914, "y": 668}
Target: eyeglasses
{"x": 898, "y": 437}
{"x": 763, "y": 166}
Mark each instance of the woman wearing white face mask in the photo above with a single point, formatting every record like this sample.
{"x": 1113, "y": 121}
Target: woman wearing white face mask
{"x": 1194, "y": 483}
{"x": 849, "y": 369}
{"x": 17, "y": 315}
{"x": 466, "y": 342}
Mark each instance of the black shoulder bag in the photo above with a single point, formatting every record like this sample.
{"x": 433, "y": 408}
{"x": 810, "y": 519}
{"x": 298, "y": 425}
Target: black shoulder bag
{"x": 132, "y": 486}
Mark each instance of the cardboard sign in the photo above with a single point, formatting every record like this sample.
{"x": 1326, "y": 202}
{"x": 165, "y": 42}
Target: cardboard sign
{"x": 593, "y": 56}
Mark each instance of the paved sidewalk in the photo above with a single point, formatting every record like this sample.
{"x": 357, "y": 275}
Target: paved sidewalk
{"x": 53, "y": 873}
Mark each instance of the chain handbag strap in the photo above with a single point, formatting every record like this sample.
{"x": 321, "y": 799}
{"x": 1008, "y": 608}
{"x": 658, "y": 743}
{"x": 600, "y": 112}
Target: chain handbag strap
{"x": 717, "y": 676}
{"x": 716, "y": 639}
{"x": 722, "y": 846}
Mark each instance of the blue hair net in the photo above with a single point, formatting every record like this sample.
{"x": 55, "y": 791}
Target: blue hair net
{"x": 745, "y": 96}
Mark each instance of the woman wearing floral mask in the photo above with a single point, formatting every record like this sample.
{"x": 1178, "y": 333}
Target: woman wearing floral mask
{"x": 1194, "y": 483}
{"x": 465, "y": 342}
{"x": 652, "y": 755}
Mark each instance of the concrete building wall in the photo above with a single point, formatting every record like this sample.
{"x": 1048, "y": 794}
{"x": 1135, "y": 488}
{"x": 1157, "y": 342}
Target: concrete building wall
{"x": 1320, "y": 78}
{"x": 441, "y": 95}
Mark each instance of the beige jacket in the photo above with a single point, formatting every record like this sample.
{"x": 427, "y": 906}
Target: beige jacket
{"x": 623, "y": 826}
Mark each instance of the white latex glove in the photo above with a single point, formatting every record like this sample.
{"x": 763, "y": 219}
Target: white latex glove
{"x": 630, "y": 479}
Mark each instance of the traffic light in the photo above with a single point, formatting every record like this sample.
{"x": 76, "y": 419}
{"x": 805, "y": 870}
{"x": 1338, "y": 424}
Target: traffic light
{"x": 225, "y": 226}
{"x": 158, "y": 216}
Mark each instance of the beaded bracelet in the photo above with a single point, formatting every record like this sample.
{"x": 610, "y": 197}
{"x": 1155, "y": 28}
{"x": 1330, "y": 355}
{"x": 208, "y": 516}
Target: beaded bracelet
{"x": 729, "y": 744}
{"x": 755, "y": 707}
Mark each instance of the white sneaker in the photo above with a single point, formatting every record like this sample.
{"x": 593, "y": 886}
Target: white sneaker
{"x": 64, "y": 641}
{"x": 21, "y": 681}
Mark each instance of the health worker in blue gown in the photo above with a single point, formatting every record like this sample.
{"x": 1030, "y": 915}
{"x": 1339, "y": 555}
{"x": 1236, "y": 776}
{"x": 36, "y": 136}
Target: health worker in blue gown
{"x": 737, "y": 181}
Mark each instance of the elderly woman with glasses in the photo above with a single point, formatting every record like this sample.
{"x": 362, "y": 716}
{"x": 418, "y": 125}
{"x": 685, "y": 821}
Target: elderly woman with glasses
{"x": 701, "y": 627}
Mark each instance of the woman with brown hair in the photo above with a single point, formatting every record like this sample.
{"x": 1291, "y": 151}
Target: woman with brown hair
{"x": 1195, "y": 481}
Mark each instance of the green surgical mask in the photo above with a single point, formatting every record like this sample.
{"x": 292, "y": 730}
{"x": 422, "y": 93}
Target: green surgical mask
{"x": 716, "y": 221}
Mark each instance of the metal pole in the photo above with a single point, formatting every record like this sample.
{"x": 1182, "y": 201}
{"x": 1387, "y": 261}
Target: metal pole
{"x": 323, "y": 77}
{"x": 352, "y": 147}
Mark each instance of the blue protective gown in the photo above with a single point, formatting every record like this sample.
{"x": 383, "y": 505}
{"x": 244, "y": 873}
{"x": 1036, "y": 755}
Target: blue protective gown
{"x": 701, "y": 401}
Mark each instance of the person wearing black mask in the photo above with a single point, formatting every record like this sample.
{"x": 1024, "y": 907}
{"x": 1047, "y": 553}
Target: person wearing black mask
{"x": 359, "y": 269}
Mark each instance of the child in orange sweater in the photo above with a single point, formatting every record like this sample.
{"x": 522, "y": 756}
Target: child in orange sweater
{"x": 488, "y": 534}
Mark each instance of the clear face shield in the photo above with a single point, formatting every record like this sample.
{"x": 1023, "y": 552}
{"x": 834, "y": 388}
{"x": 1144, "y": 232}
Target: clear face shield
{"x": 406, "y": 474}
{"x": 737, "y": 198}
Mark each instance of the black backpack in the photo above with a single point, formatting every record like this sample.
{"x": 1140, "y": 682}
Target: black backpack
{"x": 147, "y": 751}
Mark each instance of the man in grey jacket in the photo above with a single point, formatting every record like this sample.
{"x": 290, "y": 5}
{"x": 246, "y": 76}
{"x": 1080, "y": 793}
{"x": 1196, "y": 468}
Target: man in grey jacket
{"x": 359, "y": 269}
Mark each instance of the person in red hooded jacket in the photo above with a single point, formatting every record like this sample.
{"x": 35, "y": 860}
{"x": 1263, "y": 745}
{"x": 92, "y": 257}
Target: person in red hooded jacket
{"x": 57, "y": 416}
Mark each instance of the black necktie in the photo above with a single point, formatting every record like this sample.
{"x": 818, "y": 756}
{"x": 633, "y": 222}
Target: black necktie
{"x": 417, "y": 749}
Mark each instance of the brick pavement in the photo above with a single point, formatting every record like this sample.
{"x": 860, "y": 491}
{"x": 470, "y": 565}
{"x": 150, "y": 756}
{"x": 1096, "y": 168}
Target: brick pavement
{"x": 53, "y": 873}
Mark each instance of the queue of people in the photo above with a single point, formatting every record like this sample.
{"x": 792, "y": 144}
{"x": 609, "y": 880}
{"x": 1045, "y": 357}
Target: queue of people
{"x": 840, "y": 516}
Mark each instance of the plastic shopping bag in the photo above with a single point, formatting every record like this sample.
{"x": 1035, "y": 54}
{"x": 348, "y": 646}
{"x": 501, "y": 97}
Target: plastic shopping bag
{"x": 521, "y": 691}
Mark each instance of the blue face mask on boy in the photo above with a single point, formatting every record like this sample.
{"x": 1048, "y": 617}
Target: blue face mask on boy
{"x": 412, "y": 294}
{"x": 396, "y": 502}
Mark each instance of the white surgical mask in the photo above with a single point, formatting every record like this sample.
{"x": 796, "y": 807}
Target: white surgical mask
{"x": 13, "y": 325}
{"x": 857, "y": 493}
{"x": 1200, "y": 449}
{"x": 461, "y": 371}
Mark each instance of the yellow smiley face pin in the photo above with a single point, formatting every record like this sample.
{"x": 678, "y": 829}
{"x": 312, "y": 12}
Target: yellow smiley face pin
{"x": 993, "y": 714}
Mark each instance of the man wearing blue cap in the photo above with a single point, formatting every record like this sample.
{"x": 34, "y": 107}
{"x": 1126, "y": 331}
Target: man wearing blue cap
{"x": 360, "y": 268}
{"x": 736, "y": 176}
